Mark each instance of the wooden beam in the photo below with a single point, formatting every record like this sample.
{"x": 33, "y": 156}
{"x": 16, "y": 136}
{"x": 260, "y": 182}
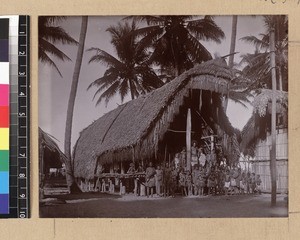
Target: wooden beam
{"x": 188, "y": 139}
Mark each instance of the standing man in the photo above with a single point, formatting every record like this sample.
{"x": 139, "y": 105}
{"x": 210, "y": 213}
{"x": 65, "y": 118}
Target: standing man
{"x": 150, "y": 179}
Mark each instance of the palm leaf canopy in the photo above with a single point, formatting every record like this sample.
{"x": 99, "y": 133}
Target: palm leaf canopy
{"x": 175, "y": 40}
{"x": 127, "y": 73}
{"x": 257, "y": 65}
{"x": 50, "y": 34}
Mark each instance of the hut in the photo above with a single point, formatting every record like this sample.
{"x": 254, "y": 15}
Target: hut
{"x": 256, "y": 139}
{"x": 156, "y": 125}
{"x": 50, "y": 156}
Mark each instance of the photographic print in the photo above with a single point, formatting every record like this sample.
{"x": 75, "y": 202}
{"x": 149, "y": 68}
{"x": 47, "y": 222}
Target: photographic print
{"x": 163, "y": 116}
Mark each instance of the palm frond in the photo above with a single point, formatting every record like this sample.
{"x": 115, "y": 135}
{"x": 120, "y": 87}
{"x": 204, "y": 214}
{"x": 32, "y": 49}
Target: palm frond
{"x": 57, "y": 34}
{"x": 105, "y": 58}
{"x": 46, "y": 46}
{"x": 258, "y": 43}
{"x": 46, "y": 59}
{"x": 206, "y": 29}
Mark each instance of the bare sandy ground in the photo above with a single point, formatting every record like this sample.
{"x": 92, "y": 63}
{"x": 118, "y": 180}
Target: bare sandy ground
{"x": 113, "y": 206}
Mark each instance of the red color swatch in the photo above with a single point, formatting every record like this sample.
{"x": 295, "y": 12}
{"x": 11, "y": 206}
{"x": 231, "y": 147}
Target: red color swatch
{"x": 4, "y": 117}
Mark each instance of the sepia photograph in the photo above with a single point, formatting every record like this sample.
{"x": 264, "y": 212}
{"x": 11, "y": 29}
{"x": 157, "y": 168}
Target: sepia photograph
{"x": 165, "y": 116}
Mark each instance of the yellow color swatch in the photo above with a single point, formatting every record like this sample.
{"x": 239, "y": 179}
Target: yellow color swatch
{"x": 4, "y": 138}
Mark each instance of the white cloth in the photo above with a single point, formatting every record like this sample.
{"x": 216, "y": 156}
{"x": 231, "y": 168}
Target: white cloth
{"x": 202, "y": 159}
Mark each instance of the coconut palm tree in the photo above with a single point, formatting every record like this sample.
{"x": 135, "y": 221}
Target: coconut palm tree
{"x": 175, "y": 40}
{"x": 266, "y": 67}
{"x": 257, "y": 65}
{"x": 127, "y": 73}
{"x": 68, "y": 132}
{"x": 51, "y": 34}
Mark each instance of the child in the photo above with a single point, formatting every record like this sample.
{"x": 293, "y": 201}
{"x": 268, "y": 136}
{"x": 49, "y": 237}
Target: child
{"x": 177, "y": 160}
{"x": 211, "y": 184}
{"x": 182, "y": 183}
{"x": 227, "y": 182}
{"x": 258, "y": 183}
{"x": 150, "y": 179}
{"x": 201, "y": 178}
{"x": 238, "y": 180}
{"x": 189, "y": 182}
{"x": 243, "y": 183}
{"x": 253, "y": 183}
{"x": 111, "y": 186}
{"x": 195, "y": 175}
{"x": 173, "y": 184}
{"x": 233, "y": 182}
{"x": 103, "y": 188}
{"x": 248, "y": 181}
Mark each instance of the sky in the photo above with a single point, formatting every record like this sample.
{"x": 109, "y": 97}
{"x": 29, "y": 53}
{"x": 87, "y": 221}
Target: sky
{"x": 54, "y": 90}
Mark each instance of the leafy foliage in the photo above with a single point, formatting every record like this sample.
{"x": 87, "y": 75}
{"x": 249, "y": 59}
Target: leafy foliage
{"x": 174, "y": 40}
{"x": 49, "y": 35}
{"x": 128, "y": 73}
{"x": 257, "y": 65}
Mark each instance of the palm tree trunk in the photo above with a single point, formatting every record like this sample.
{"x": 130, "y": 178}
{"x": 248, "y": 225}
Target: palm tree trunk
{"x": 68, "y": 132}
{"x": 273, "y": 121}
{"x": 231, "y": 57}
{"x": 233, "y": 40}
{"x": 131, "y": 90}
{"x": 280, "y": 78}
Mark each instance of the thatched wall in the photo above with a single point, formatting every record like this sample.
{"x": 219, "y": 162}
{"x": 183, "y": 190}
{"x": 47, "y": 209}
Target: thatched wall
{"x": 259, "y": 124}
{"x": 46, "y": 143}
{"x": 134, "y": 129}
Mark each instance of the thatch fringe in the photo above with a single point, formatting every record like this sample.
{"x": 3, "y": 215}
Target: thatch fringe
{"x": 261, "y": 101}
{"x": 256, "y": 127}
{"x": 46, "y": 141}
{"x": 134, "y": 131}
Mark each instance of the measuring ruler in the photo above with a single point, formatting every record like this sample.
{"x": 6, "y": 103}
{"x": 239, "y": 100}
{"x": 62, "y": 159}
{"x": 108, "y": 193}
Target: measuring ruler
{"x": 19, "y": 150}
{"x": 23, "y": 117}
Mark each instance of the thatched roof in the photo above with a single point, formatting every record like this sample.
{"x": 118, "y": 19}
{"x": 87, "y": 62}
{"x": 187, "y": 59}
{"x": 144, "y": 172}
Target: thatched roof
{"x": 259, "y": 124}
{"x": 136, "y": 127}
{"x": 46, "y": 141}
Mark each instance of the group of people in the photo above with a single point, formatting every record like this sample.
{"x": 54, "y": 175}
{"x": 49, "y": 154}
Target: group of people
{"x": 207, "y": 180}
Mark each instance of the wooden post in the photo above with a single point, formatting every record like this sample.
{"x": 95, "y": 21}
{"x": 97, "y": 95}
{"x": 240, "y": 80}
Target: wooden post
{"x": 122, "y": 168}
{"x": 273, "y": 119}
{"x": 188, "y": 140}
{"x": 164, "y": 171}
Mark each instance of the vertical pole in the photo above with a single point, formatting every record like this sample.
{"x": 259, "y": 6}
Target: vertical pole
{"x": 164, "y": 171}
{"x": 122, "y": 168}
{"x": 273, "y": 119}
{"x": 42, "y": 175}
{"x": 188, "y": 140}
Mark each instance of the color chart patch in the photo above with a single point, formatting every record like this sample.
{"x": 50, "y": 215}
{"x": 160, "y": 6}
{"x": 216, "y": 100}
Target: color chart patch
{"x": 4, "y": 116}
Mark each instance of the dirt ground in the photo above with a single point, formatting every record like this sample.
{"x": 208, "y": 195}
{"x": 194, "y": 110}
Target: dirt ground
{"x": 128, "y": 206}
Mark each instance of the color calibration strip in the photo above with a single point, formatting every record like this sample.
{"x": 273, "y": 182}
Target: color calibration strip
{"x": 18, "y": 102}
{"x": 4, "y": 116}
